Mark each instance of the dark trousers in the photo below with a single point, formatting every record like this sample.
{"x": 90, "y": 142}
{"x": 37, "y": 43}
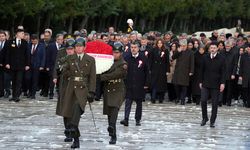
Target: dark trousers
{"x": 181, "y": 92}
{"x": 17, "y": 77}
{"x": 32, "y": 79}
{"x": 237, "y": 90}
{"x": 246, "y": 96}
{"x": 99, "y": 89}
{"x": 112, "y": 117}
{"x": 196, "y": 99}
{"x": 49, "y": 85}
{"x": 138, "y": 110}
{"x": 227, "y": 93}
{"x": 157, "y": 95}
{"x": 1, "y": 81}
{"x": 171, "y": 92}
{"x": 205, "y": 92}
{"x": 75, "y": 120}
{"x": 7, "y": 81}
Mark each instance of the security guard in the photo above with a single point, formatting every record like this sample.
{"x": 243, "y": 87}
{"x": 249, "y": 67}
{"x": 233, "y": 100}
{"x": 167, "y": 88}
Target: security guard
{"x": 59, "y": 78}
{"x": 80, "y": 71}
{"x": 114, "y": 89}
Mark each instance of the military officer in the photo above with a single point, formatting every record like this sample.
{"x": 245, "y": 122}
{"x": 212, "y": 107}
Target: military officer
{"x": 114, "y": 89}
{"x": 80, "y": 71}
{"x": 59, "y": 78}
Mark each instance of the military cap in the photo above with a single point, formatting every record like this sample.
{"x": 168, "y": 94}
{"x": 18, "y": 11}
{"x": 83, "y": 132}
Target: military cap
{"x": 80, "y": 41}
{"x": 70, "y": 43}
{"x": 118, "y": 46}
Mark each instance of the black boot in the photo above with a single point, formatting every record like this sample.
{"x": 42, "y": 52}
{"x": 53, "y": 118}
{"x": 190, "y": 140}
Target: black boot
{"x": 68, "y": 137}
{"x": 76, "y": 143}
{"x": 204, "y": 121}
{"x": 124, "y": 122}
{"x": 111, "y": 130}
{"x": 113, "y": 139}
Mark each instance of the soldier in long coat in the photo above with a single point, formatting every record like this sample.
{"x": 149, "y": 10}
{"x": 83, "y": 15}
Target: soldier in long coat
{"x": 59, "y": 78}
{"x": 80, "y": 71}
{"x": 114, "y": 90}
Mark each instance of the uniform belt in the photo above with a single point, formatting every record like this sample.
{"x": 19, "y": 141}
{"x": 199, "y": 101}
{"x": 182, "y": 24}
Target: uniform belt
{"x": 115, "y": 81}
{"x": 77, "y": 79}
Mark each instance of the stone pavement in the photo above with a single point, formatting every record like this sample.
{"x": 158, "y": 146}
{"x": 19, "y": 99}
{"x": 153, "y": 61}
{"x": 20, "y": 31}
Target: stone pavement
{"x": 32, "y": 124}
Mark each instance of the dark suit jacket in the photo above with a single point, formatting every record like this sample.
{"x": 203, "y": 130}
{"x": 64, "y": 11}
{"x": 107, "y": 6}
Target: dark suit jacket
{"x": 245, "y": 70}
{"x": 137, "y": 77}
{"x": 17, "y": 57}
{"x": 3, "y": 53}
{"x": 51, "y": 54}
{"x": 230, "y": 59}
{"x": 212, "y": 71}
{"x": 37, "y": 59}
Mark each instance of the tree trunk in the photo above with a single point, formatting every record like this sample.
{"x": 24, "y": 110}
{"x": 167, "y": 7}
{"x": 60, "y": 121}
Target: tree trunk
{"x": 142, "y": 24}
{"x": 84, "y": 22}
{"x": 71, "y": 19}
{"x": 38, "y": 24}
{"x": 172, "y": 24}
{"x": 165, "y": 27}
{"x": 47, "y": 21}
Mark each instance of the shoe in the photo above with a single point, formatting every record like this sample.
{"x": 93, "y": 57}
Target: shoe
{"x": 176, "y": 101}
{"x": 138, "y": 123}
{"x": 51, "y": 96}
{"x": 153, "y": 101}
{"x": 32, "y": 97}
{"x": 203, "y": 122}
{"x": 25, "y": 94}
{"x": 76, "y": 143}
{"x": 113, "y": 140}
{"x": 68, "y": 139}
{"x": 12, "y": 99}
{"x": 212, "y": 125}
{"x": 45, "y": 95}
{"x": 160, "y": 101}
{"x": 17, "y": 100}
{"x": 7, "y": 94}
{"x": 183, "y": 102}
{"x": 124, "y": 122}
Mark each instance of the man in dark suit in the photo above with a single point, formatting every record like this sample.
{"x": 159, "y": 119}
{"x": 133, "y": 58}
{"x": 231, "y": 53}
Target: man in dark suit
{"x": 212, "y": 82}
{"x": 37, "y": 60}
{"x": 17, "y": 60}
{"x": 244, "y": 76}
{"x": 51, "y": 54}
{"x": 44, "y": 74}
{"x": 183, "y": 70}
{"x": 136, "y": 83}
{"x": 2, "y": 44}
{"x": 230, "y": 59}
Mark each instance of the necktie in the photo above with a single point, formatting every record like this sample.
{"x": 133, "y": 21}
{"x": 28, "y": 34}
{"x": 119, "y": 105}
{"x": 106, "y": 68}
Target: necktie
{"x": 79, "y": 58}
{"x": 19, "y": 43}
{"x": 1, "y": 46}
{"x": 33, "y": 49}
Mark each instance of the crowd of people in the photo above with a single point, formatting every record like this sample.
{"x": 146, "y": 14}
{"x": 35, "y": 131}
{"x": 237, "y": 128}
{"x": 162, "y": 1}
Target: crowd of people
{"x": 176, "y": 68}
{"x": 178, "y": 76}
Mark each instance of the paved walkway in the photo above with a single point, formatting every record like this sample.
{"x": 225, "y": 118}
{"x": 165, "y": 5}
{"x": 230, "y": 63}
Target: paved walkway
{"x": 32, "y": 124}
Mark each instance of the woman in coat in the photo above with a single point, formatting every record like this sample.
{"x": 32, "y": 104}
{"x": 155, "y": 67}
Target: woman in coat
{"x": 159, "y": 66}
{"x": 170, "y": 85}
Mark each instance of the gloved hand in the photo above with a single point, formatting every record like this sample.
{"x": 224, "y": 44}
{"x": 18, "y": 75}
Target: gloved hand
{"x": 90, "y": 97}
